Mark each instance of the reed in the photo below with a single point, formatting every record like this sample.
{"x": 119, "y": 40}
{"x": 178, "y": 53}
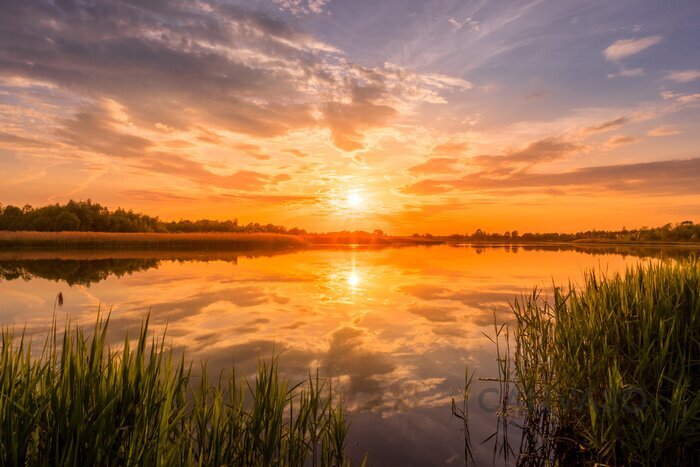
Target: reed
{"x": 461, "y": 412}
{"x": 610, "y": 372}
{"x": 79, "y": 402}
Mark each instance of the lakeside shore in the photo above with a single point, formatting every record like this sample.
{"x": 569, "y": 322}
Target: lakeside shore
{"x": 192, "y": 241}
{"x": 266, "y": 241}
{"x": 148, "y": 241}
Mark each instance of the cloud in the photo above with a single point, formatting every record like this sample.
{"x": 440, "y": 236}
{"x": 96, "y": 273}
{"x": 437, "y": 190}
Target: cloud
{"x": 364, "y": 110}
{"x": 296, "y": 152}
{"x": 99, "y": 129}
{"x": 627, "y": 73}
{"x": 253, "y": 150}
{"x": 468, "y": 23}
{"x": 302, "y": 7}
{"x": 685, "y": 76}
{"x": 665, "y": 130}
{"x": 95, "y": 128}
{"x": 681, "y": 98}
{"x": 13, "y": 140}
{"x": 443, "y": 160}
{"x": 541, "y": 151}
{"x": 671, "y": 177}
{"x": 435, "y": 165}
{"x": 628, "y": 47}
{"x": 437, "y": 314}
{"x": 605, "y": 126}
{"x": 619, "y": 140}
{"x": 187, "y": 66}
{"x": 449, "y": 149}
{"x": 171, "y": 197}
{"x": 427, "y": 187}
{"x": 514, "y": 161}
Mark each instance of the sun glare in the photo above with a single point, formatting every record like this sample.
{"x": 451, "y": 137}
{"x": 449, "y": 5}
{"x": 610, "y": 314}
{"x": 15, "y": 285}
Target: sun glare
{"x": 353, "y": 279}
{"x": 355, "y": 201}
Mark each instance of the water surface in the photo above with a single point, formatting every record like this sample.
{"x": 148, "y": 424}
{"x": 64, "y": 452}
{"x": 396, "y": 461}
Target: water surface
{"x": 392, "y": 327}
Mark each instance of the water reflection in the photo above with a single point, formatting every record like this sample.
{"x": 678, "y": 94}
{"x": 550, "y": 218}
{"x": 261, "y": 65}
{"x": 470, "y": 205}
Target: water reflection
{"x": 86, "y": 268}
{"x": 73, "y": 271}
{"x": 353, "y": 279}
{"x": 392, "y": 327}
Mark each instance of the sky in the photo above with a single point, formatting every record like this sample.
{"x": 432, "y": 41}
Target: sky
{"x": 406, "y": 116}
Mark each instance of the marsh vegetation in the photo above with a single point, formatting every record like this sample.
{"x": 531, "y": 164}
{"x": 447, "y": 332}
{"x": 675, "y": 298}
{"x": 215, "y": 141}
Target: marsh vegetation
{"x": 80, "y": 402}
{"x": 607, "y": 373}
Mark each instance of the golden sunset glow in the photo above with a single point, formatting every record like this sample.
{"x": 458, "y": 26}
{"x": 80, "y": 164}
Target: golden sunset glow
{"x": 353, "y": 279}
{"x": 355, "y": 201}
{"x": 411, "y": 303}
{"x": 449, "y": 117}
{"x": 350, "y": 232}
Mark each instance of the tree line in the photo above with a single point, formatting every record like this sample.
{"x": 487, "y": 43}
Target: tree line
{"x": 86, "y": 216}
{"x": 680, "y": 232}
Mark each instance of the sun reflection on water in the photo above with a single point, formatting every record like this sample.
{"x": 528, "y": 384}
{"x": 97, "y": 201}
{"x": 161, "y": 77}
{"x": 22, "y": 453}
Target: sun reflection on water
{"x": 354, "y": 279}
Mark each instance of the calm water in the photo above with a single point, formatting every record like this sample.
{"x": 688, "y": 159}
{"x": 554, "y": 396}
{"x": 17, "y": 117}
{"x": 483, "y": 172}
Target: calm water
{"x": 393, "y": 327}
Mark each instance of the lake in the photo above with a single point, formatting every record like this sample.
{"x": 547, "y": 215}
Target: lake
{"x": 393, "y": 328}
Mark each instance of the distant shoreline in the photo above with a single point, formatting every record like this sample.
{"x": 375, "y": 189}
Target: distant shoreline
{"x": 581, "y": 242}
{"x": 267, "y": 241}
{"x": 191, "y": 241}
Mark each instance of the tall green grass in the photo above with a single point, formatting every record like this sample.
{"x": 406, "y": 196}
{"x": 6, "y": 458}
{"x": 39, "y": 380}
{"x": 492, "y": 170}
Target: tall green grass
{"x": 610, "y": 372}
{"x": 79, "y": 402}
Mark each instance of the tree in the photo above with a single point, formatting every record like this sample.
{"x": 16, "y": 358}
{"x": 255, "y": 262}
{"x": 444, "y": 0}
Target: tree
{"x": 66, "y": 221}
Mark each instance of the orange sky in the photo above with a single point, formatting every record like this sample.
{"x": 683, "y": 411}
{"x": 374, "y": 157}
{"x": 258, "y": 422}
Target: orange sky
{"x": 331, "y": 115}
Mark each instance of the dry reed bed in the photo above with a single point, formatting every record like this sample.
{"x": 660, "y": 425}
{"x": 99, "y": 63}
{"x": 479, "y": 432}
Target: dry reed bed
{"x": 148, "y": 240}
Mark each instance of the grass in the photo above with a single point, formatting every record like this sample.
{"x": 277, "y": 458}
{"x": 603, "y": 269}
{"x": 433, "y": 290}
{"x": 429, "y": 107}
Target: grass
{"x": 609, "y": 372}
{"x": 80, "y": 402}
{"x": 157, "y": 241}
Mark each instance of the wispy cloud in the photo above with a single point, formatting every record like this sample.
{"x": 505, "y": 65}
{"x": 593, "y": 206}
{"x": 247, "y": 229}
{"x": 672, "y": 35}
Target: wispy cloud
{"x": 666, "y": 130}
{"x": 672, "y": 177}
{"x": 539, "y": 152}
{"x": 627, "y": 73}
{"x": 605, "y": 126}
{"x": 435, "y": 165}
{"x": 302, "y": 7}
{"x": 685, "y": 76}
{"x": 468, "y": 23}
{"x": 619, "y": 140}
{"x": 628, "y": 47}
{"x": 687, "y": 99}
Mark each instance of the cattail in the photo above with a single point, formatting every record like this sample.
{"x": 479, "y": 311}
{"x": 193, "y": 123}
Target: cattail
{"x": 59, "y": 299}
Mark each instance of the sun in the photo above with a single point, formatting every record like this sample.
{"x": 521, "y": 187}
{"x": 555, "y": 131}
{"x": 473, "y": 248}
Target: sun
{"x": 355, "y": 200}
